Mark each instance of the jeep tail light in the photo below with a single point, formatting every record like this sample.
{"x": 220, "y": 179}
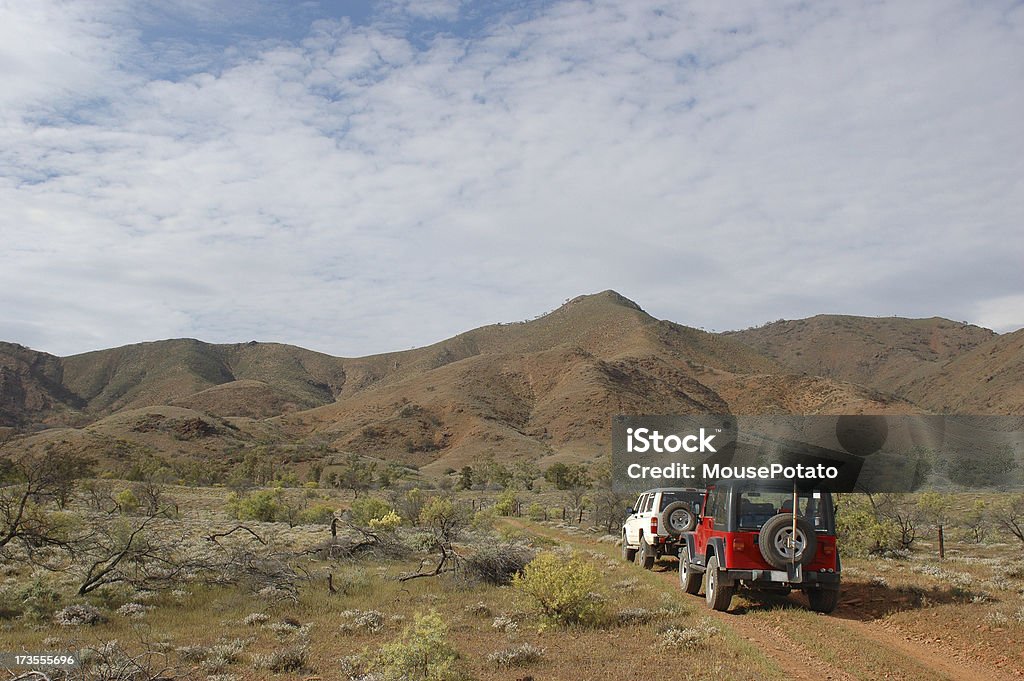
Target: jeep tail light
{"x": 654, "y": 525}
{"x": 738, "y": 544}
{"x": 828, "y": 549}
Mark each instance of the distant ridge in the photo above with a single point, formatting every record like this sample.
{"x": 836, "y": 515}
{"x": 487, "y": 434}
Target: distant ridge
{"x": 543, "y": 389}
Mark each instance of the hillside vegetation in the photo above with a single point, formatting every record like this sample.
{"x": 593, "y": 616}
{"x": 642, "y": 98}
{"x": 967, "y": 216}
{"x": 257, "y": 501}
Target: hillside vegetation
{"x": 541, "y": 389}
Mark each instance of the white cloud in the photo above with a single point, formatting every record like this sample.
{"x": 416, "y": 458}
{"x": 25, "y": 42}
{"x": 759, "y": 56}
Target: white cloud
{"x": 1002, "y": 314}
{"x": 447, "y": 10}
{"x": 364, "y": 189}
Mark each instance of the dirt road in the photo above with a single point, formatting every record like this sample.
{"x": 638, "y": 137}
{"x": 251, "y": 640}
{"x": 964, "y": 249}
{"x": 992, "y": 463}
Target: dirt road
{"x": 789, "y": 646}
{"x": 838, "y": 647}
{"x": 841, "y": 646}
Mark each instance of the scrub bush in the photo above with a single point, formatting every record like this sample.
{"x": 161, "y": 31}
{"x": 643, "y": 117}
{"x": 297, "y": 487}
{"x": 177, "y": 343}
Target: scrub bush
{"x": 563, "y": 589}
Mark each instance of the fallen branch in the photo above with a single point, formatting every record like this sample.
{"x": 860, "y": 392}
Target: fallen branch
{"x": 218, "y": 535}
{"x": 446, "y": 554}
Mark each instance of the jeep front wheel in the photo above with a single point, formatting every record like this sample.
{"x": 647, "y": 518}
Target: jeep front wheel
{"x": 823, "y": 600}
{"x": 628, "y": 554}
{"x": 717, "y": 595}
{"x": 689, "y": 579}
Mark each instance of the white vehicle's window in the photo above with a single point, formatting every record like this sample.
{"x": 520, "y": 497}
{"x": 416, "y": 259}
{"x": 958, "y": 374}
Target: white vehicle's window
{"x": 650, "y": 503}
{"x": 671, "y": 497}
{"x": 639, "y": 505}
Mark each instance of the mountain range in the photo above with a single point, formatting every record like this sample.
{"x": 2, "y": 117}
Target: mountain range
{"x": 543, "y": 390}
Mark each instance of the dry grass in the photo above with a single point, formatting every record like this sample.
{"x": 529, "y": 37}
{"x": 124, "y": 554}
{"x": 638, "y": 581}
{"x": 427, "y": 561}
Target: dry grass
{"x": 209, "y": 630}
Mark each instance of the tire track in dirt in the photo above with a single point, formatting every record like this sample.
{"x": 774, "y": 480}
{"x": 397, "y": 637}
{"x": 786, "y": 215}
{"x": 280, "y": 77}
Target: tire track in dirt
{"x": 803, "y": 664}
{"x": 798, "y": 661}
{"x": 938, "y": 659}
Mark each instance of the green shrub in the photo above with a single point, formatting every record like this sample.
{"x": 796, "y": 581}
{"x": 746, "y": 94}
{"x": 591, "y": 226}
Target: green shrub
{"x": 443, "y": 515}
{"x": 861, "y": 533}
{"x": 563, "y": 589}
{"x": 537, "y": 512}
{"x": 366, "y": 509}
{"x": 127, "y": 502}
{"x": 386, "y": 523}
{"x": 506, "y": 504}
{"x": 317, "y": 514}
{"x": 264, "y": 506}
{"x": 37, "y": 600}
{"x": 484, "y": 519}
{"x": 422, "y": 654}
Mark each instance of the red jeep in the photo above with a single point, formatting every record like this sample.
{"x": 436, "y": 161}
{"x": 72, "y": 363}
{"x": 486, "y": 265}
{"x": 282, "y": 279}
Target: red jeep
{"x": 746, "y": 538}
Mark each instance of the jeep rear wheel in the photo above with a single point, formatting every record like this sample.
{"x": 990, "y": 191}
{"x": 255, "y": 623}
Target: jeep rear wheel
{"x": 689, "y": 580}
{"x": 780, "y": 546}
{"x": 645, "y": 555}
{"x": 628, "y": 554}
{"x": 823, "y": 600}
{"x": 717, "y": 595}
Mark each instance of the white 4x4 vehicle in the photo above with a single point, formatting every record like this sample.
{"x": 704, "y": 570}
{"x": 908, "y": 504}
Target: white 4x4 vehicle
{"x": 656, "y": 522}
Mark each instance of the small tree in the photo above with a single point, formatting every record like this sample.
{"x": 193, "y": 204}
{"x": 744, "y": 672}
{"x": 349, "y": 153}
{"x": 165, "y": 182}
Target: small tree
{"x": 125, "y": 550}
{"x": 466, "y": 477}
{"x": 492, "y": 474}
{"x": 975, "y": 521}
{"x": 356, "y": 474}
{"x": 409, "y": 504}
{"x": 606, "y": 502}
{"x": 523, "y": 475}
{"x": 316, "y": 469}
{"x": 27, "y": 482}
{"x": 901, "y": 511}
{"x": 863, "y": 528}
{"x": 935, "y": 509}
{"x": 126, "y": 501}
{"x": 573, "y": 480}
{"x": 445, "y": 521}
{"x": 392, "y": 475}
{"x": 1009, "y": 515}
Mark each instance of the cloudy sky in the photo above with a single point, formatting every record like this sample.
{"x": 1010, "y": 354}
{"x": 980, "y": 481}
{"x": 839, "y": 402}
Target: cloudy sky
{"x": 356, "y": 177}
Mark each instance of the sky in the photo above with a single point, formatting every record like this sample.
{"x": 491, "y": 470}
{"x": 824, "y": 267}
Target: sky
{"x": 358, "y": 177}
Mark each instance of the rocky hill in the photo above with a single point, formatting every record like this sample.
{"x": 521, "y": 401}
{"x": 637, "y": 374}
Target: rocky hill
{"x": 541, "y": 389}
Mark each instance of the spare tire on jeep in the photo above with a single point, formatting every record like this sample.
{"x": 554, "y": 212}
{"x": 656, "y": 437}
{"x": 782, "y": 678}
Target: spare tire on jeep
{"x": 678, "y": 517}
{"x": 775, "y": 537}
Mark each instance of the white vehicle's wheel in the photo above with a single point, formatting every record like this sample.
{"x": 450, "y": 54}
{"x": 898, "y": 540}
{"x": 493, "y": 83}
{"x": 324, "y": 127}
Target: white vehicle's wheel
{"x": 645, "y": 555}
{"x": 628, "y": 554}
